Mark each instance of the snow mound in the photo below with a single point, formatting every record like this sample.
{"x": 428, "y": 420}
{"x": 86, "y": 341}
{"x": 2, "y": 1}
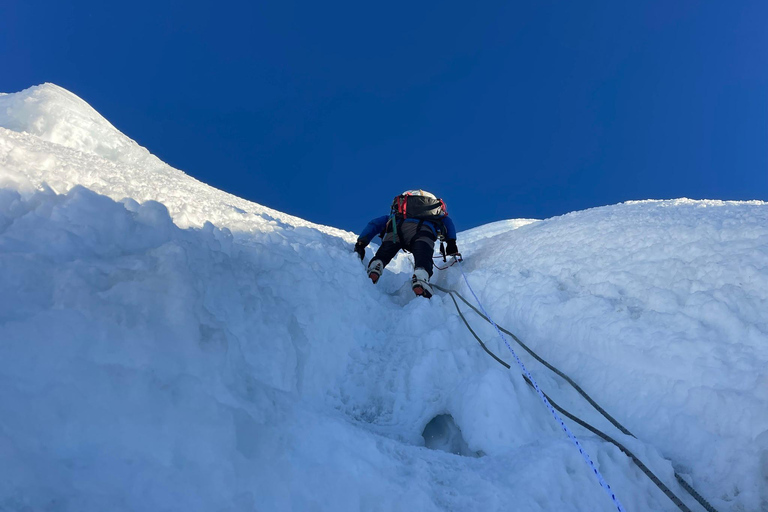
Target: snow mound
{"x": 135, "y": 354}
{"x": 659, "y": 307}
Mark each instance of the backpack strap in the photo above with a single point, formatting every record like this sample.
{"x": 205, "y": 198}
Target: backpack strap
{"x": 405, "y": 204}
{"x": 440, "y": 229}
{"x": 395, "y": 227}
{"x": 400, "y": 204}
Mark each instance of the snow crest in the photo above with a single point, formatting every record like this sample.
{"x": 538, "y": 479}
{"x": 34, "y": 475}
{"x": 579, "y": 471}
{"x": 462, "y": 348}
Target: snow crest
{"x": 51, "y": 138}
{"x": 56, "y": 115}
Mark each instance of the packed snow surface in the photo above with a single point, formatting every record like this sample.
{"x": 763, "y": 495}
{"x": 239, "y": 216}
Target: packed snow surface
{"x": 168, "y": 346}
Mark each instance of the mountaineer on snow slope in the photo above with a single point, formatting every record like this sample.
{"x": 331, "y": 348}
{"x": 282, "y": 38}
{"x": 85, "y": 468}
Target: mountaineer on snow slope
{"x": 416, "y": 220}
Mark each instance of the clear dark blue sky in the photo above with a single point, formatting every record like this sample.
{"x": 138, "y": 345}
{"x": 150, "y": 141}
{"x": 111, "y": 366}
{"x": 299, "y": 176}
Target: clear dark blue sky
{"x": 326, "y": 110}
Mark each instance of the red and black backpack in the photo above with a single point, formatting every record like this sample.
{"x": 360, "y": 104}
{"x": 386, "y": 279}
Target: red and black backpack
{"x": 417, "y": 204}
{"x": 420, "y": 205}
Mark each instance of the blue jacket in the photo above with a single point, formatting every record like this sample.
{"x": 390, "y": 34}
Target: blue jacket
{"x": 378, "y": 224}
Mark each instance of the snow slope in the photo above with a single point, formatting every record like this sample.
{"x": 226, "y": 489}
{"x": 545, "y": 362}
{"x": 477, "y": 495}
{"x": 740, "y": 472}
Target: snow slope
{"x": 167, "y": 346}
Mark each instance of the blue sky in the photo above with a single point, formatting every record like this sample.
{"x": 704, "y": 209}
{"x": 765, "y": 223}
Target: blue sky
{"x": 326, "y": 110}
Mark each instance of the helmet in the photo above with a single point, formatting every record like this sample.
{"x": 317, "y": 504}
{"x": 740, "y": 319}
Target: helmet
{"x": 419, "y": 192}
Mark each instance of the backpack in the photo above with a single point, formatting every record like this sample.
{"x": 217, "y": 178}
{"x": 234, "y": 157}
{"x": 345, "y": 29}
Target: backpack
{"x": 418, "y": 204}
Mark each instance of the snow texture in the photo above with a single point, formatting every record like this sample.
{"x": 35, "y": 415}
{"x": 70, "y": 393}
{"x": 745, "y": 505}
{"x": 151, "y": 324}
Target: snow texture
{"x": 167, "y": 346}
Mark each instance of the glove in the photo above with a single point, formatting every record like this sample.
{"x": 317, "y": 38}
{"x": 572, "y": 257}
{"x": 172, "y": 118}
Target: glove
{"x": 450, "y": 247}
{"x": 360, "y": 248}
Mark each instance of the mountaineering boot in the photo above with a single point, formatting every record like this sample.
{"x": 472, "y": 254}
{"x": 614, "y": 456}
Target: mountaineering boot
{"x": 375, "y": 268}
{"x": 421, "y": 283}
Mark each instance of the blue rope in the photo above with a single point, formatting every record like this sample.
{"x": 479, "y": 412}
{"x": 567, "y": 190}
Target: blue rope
{"x": 568, "y": 432}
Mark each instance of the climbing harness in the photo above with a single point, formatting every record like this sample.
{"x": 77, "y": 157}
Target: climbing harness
{"x": 554, "y": 407}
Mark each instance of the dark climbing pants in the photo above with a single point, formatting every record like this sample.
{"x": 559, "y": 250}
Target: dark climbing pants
{"x": 420, "y": 241}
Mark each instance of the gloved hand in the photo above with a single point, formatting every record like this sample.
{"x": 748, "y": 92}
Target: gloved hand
{"x": 450, "y": 247}
{"x": 360, "y": 248}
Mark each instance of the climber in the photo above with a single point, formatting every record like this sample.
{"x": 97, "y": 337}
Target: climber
{"x": 417, "y": 219}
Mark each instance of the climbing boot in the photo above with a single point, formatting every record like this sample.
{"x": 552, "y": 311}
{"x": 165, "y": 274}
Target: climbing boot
{"x": 420, "y": 282}
{"x": 375, "y": 268}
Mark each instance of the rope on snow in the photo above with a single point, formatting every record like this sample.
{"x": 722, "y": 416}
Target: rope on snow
{"x": 553, "y": 407}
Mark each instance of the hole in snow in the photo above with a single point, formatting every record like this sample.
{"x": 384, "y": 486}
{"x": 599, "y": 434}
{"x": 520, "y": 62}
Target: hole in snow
{"x": 442, "y": 433}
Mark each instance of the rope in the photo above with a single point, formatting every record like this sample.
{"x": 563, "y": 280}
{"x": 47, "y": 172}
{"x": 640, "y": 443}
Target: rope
{"x": 589, "y": 427}
{"x": 569, "y": 415}
{"x": 543, "y": 397}
{"x": 449, "y": 265}
{"x": 545, "y": 363}
{"x": 698, "y": 497}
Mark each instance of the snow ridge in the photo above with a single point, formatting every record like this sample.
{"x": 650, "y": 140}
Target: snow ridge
{"x": 55, "y": 115}
{"x": 49, "y": 135}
